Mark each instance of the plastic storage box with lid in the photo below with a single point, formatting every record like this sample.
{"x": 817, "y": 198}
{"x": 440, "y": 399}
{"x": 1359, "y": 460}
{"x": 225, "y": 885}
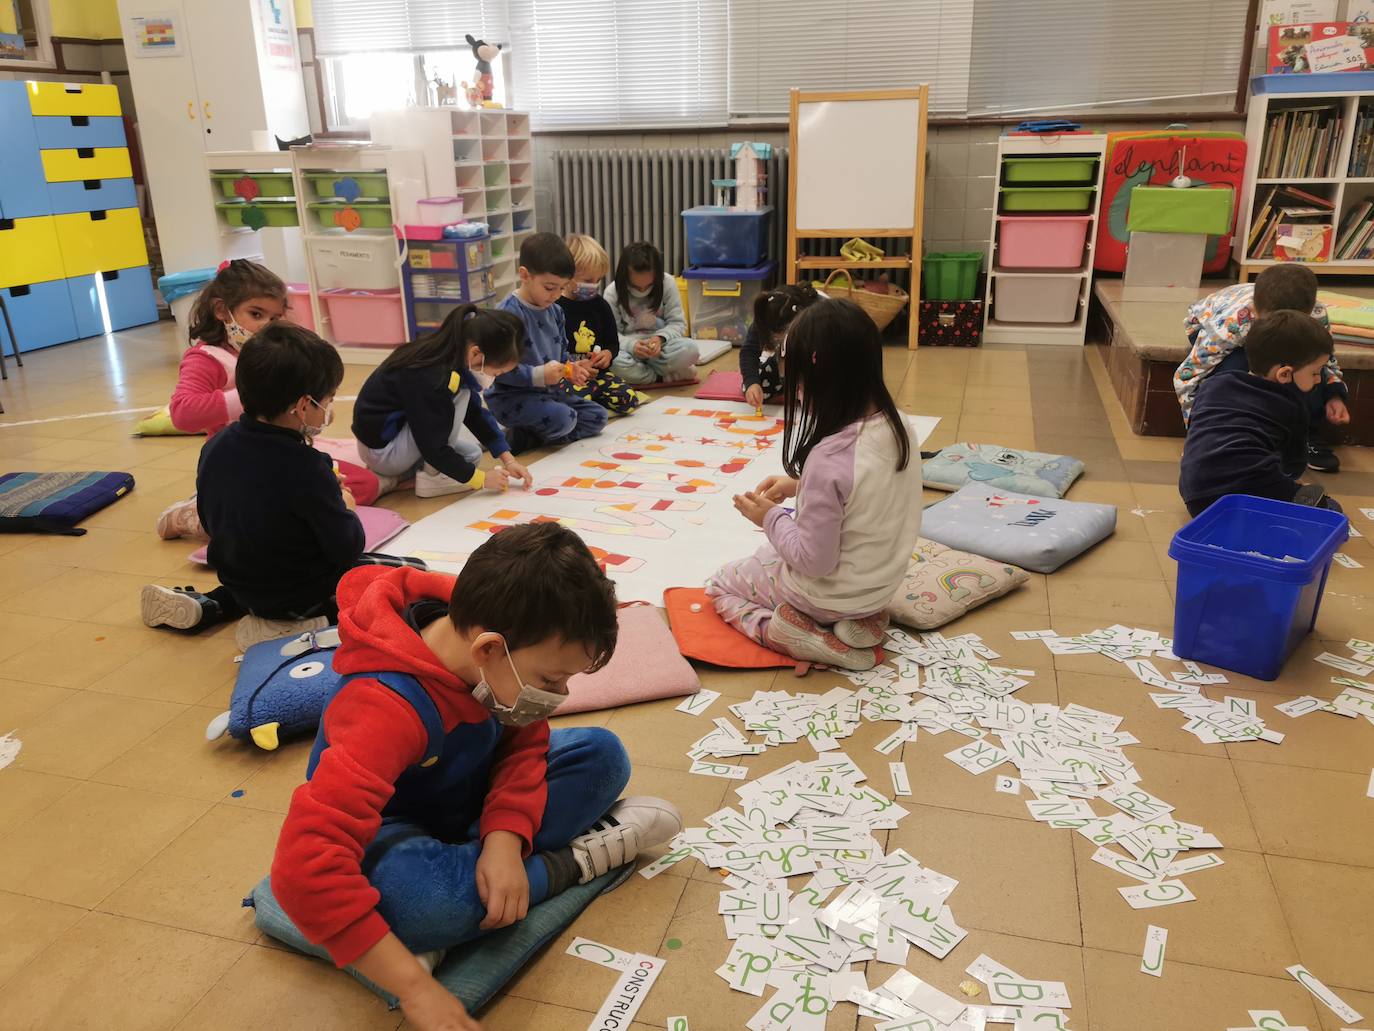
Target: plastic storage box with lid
{"x": 366, "y": 317}
{"x": 440, "y": 211}
{"x": 348, "y": 186}
{"x": 951, "y": 276}
{"x": 721, "y": 300}
{"x": 252, "y": 185}
{"x": 1251, "y": 573}
{"x": 1035, "y": 298}
{"x": 355, "y": 261}
{"x": 1047, "y": 198}
{"x": 1045, "y": 241}
{"x": 722, "y": 237}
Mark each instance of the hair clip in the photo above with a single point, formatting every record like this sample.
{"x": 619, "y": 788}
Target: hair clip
{"x": 223, "y": 265}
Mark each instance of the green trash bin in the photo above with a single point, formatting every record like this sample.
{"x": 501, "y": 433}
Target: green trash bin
{"x": 951, "y": 275}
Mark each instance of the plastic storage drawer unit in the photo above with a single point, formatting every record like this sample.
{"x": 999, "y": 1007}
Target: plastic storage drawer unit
{"x": 1036, "y": 298}
{"x": 41, "y": 313}
{"x": 1041, "y": 242}
{"x": 722, "y": 237}
{"x": 1251, "y": 573}
{"x": 55, "y": 132}
{"x": 1050, "y": 198}
{"x": 29, "y": 251}
{"x": 356, "y": 262}
{"x": 367, "y": 317}
{"x": 128, "y": 295}
{"x": 252, "y": 185}
{"x": 1049, "y": 170}
{"x": 720, "y": 301}
{"x": 69, "y": 98}
{"x": 77, "y": 163}
{"x": 92, "y": 195}
{"x": 348, "y": 186}
{"x": 96, "y": 241}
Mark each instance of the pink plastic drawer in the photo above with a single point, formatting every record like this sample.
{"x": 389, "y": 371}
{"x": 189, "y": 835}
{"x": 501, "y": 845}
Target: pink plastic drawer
{"x": 369, "y": 317}
{"x": 298, "y": 308}
{"x": 1041, "y": 241}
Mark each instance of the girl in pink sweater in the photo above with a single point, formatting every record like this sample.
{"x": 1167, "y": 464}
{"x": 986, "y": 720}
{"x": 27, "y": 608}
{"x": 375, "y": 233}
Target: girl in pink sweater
{"x": 241, "y": 299}
{"x": 818, "y": 590}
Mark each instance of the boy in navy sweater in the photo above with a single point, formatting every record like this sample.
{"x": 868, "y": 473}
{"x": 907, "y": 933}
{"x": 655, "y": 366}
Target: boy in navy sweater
{"x": 282, "y": 528}
{"x": 1248, "y": 431}
{"x": 536, "y": 401}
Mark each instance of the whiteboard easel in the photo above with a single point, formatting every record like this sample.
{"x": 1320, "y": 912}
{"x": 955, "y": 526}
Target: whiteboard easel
{"x": 858, "y": 169}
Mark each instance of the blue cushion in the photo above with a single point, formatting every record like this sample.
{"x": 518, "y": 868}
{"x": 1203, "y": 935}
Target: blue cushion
{"x": 283, "y": 687}
{"x": 1027, "y": 472}
{"x": 56, "y": 502}
{"x": 476, "y": 970}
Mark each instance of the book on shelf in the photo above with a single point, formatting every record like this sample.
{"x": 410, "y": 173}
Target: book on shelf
{"x": 1304, "y": 219}
{"x": 1355, "y": 241}
{"x": 1362, "y": 148}
{"x": 1301, "y": 143}
{"x": 1303, "y": 241}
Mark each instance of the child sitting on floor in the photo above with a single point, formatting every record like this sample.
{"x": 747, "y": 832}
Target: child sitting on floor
{"x": 773, "y": 313}
{"x": 241, "y": 299}
{"x": 389, "y": 850}
{"x": 282, "y": 527}
{"x": 819, "y": 589}
{"x": 648, "y": 315}
{"x": 1217, "y": 326}
{"x": 535, "y": 401}
{"x": 412, "y": 410}
{"x": 1248, "y": 433}
{"x": 590, "y": 327}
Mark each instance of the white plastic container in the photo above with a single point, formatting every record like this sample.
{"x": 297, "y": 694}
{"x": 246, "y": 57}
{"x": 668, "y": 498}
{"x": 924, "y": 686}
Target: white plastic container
{"x": 1036, "y": 298}
{"x": 356, "y": 262}
{"x": 440, "y": 211}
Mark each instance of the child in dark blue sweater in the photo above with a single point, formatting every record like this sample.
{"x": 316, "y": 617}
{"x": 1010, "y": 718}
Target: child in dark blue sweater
{"x": 1248, "y": 431}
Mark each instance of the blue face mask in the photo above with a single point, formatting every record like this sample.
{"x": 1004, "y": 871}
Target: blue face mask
{"x": 585, "y": 291}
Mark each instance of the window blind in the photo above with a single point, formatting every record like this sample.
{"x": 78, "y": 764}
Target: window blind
{"x": 367, "y": 26}
{"x": 620, "y": 63}
{"x": 1055, "y": 55}
{"x": 824, "y": 44}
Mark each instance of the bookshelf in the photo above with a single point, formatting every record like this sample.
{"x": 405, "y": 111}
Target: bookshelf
{"x": 1309, "y": 174}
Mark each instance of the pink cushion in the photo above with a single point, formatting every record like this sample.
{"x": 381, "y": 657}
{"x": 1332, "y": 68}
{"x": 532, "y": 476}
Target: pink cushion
{"x": 379, "y": 526}
{"x": 722, "y": 386}
{"x": 646, "y": 666}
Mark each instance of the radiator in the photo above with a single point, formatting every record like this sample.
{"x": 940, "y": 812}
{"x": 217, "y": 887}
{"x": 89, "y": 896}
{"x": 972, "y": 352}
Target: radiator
{"x": 620, "y": 196}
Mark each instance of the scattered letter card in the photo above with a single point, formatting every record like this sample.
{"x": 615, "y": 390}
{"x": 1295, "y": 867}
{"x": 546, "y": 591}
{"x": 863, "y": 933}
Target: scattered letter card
{"x": 619, "y": 1009}
{"x": 1152, "y": 961}
{"x": 1324, "y": 995}
{"x": 1148, "y": 896}
{"x": 698, "y": 703}
{"x": 1015, "y": 992}
{"x": 901, "y": 785}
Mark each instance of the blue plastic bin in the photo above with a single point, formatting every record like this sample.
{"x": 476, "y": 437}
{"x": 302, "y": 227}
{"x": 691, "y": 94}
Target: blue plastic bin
{"x": 724, "y": 237}
{"x": 1250, "y": 578}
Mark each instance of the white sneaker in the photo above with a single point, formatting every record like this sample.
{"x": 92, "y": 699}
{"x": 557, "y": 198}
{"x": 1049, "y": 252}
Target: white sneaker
{"x": 796, "y": 634}
{"x": 431, "y": 483}
{"x": 181, "y": 520}
{"x": 862, "y": 633}
{"x": 253, "y": 630}
{"x": 180, "y": 608}
{"x": 633, "y": 824}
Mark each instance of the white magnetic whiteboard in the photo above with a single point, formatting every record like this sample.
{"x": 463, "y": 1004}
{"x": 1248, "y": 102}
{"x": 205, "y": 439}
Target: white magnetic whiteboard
{"x": 856, "y": 164}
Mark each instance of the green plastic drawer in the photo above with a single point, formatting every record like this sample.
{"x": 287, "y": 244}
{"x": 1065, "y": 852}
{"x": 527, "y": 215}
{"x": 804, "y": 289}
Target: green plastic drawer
{"x": 278, "y": 213}
{"x": 252, "y": 185}
{"x": 348, "y": 186}
{"x": 1049, "y": 170}
{"x": 1055, "y": 198}
{"x": 363, "y": 215}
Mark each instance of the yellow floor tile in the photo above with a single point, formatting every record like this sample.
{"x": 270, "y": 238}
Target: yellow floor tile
{"x": 91, "y": 840}
{"x": 26, "y": 794}
{"x": 111, "y": 972}
{"x": 178, "y": 760}
{"x": 82, "y": 733}
{"x": 1309, "y": 814}
{"x": 27, "y": 927}
{"x": 1317, "y": 897}
{"x": 77, "y": 655}
{"x": 20, "y": 703}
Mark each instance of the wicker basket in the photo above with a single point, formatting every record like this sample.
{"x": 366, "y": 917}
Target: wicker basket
{"x": 881, "y": 308}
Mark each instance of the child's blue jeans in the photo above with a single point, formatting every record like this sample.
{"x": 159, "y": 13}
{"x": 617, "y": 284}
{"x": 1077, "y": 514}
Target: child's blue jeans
{"x": 429, "y": 886}
{"x": 553, "y": 416}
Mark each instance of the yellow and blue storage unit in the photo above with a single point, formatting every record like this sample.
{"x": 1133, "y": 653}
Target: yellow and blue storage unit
{"x": 70, "y": 232}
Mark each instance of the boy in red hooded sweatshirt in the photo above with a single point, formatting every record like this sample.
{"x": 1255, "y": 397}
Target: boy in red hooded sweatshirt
{"x": 438, "y": 804}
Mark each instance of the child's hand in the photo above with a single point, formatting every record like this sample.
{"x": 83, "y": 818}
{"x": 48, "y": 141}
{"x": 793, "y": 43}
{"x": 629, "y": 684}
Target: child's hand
{"x": 581, "y": 373}
{"x": 754, "y": 395}
{"x": 753, "y": 507}
{"x": 641, "y": 350}
{"x": 655, "y": 345}
{"x": 553, "y": 373}
{"x": 431, "y": 1007}
{"x": 350, "y": 502}
{"x": 501, "y": 882}
{"x": 601, "y": 360}
{"x": 1337, "y": 414}
{"x": 496, "y": 480}
{"x": 777, "y": 488}
{"x": 516, "y": 470}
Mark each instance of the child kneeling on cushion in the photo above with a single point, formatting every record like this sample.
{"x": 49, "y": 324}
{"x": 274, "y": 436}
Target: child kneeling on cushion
{"x": 388, "y": 851}
{"x": 1248, "y": 433}
{"x": 1217, "y": 328}
{"x": 819, "y": 589}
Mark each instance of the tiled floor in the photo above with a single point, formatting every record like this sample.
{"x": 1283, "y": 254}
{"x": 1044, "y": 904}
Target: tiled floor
{"x": 124, "y": 856}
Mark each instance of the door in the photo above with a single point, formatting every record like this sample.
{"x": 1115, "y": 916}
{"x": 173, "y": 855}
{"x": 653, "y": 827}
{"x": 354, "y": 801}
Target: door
{"x": 227, "y": 73}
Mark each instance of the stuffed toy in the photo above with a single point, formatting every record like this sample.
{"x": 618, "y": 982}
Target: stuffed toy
{"x": 281, "y": 690}
{"x": 484, "y": 52}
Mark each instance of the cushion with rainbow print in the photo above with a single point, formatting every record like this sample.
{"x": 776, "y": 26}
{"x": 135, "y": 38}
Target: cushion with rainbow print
{"x": 941, "y": 584}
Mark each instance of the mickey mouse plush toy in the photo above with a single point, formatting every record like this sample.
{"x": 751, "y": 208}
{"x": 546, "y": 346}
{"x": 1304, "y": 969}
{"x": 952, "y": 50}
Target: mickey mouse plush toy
{"x": 484, "y": 53}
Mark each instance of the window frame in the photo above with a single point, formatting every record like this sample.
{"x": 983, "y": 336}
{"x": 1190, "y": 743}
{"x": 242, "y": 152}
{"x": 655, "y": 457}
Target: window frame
{"x": 46, "y": 60}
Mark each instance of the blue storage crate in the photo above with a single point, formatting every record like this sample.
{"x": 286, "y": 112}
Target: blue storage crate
{"x": 1251, "y": 572}
{"x": 725, "y": 237}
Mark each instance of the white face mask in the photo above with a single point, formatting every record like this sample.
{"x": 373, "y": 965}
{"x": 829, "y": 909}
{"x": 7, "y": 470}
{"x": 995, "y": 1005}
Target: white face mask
{"x": 236, "y": 334}
{"x": 531, "y": 705}
{"x": 484, "y": 379}
{"x": 640, "y": 295}
{"x": 311, "y": 432}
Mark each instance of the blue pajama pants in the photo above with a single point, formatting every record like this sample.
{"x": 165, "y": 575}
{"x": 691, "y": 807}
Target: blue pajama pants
{"x": 554, "y": 416}
{"x": 428, "y": 884}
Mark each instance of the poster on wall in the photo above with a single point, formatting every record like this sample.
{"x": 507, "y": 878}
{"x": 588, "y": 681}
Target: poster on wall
{"x": 154, "y": 35}
{"x": 278, "y": 37}
{"x": 12, "y": 46}
{"x": 1292, "y": 12}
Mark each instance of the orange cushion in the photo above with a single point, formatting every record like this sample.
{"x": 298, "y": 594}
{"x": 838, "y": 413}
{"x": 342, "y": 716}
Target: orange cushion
{"x": 701, "y": 634}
